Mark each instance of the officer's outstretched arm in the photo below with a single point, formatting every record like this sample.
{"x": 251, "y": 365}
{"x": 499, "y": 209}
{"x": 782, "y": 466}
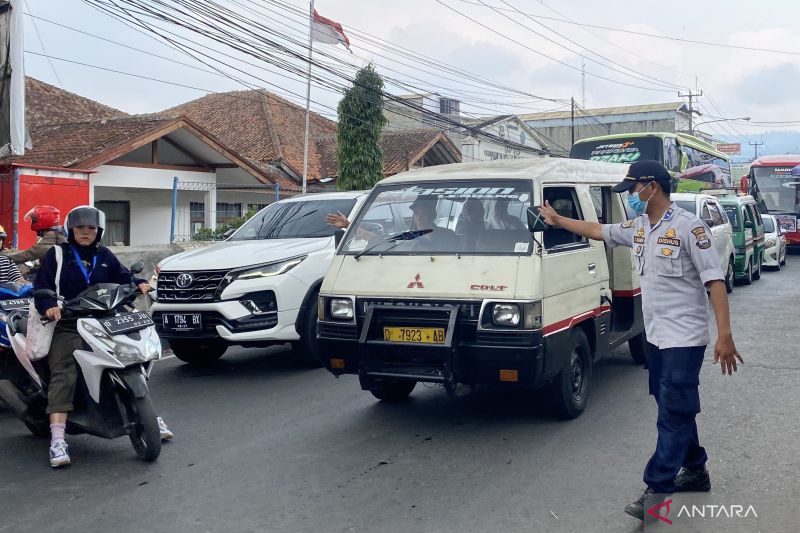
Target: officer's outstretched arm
{"x": 592, "y": 230}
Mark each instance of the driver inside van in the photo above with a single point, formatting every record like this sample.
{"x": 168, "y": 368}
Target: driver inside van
{"x": 424, "y": 217}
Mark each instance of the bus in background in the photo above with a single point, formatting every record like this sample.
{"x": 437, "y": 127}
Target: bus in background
{"x": 702, "y": 178}
{"x": 777, "y": 192}
{"x": 678, "y": 152}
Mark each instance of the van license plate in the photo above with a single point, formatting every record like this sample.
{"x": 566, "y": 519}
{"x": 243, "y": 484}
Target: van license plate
{"x": 414, "y": 335}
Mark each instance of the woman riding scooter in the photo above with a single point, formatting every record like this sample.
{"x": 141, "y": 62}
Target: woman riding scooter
{"x": 85, "y": 263}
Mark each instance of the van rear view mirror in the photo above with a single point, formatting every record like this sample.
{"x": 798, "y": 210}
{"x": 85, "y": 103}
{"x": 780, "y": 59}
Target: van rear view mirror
{"x": 535, "y": 221}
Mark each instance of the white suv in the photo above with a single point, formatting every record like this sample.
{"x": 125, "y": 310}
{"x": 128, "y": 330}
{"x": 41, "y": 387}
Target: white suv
{"x": 713, "y": 214}
{"x": 257, "y": 288}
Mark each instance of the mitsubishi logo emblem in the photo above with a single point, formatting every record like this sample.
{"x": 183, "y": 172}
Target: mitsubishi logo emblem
{"x": 416, "y": 283}
{"x": 184, "y": 280}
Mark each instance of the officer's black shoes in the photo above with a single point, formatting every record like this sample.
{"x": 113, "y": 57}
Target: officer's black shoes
{"x": 693, "y": 480}
{"x": 636, "y": 509}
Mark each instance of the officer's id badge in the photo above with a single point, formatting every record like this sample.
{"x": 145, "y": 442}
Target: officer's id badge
{"x": 639, "y": 238}
{"x": 703, "y": 242}
{"x": 669, "y": 238}
{"x": 666, "y": 252}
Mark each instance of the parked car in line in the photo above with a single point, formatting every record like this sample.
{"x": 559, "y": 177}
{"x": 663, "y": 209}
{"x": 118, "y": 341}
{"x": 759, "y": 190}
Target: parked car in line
{"x": 257, "y": 288}
{"x": 748, "y": 235}
{"x": 466, "y": 284}
{"x": 710, "y": 211}
{"x": 774, "y": 243}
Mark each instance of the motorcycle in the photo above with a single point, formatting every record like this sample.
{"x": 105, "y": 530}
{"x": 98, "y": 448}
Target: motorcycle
{"x": 112, "y": 398}
{"x": 14, "y": 297}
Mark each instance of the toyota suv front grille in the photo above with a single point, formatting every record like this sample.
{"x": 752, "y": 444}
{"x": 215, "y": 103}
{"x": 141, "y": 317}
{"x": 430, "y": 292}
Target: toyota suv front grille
{"x": 192, "y": 286}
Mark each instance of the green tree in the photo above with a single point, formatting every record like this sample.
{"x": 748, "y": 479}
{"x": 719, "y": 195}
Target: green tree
{"x": 358, "y": 133}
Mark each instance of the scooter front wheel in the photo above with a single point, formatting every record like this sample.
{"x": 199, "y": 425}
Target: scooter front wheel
{"x": 145, "y": 435}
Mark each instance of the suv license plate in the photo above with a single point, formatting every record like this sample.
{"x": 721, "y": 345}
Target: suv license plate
{"x": 414, "y": 335}
{"x": 127, "y": 322}
{"x": 182, "y": 321}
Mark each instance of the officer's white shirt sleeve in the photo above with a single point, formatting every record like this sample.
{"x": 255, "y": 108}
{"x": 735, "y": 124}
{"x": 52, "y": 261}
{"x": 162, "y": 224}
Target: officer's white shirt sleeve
{"x": 704, "y": 256}
{"x": 619, "y": 234}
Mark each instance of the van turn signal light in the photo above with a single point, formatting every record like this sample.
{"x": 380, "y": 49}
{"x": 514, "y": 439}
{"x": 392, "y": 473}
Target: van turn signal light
{"x": 509, "y": 375}
{"x": 337, "y": 364}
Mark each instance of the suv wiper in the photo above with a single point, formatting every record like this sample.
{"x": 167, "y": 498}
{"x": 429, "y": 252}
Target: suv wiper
{"x": 273, "y": 230}
{"x": 409, "y": 235}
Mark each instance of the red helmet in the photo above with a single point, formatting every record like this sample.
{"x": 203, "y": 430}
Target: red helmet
{"x": 43, "y": 217}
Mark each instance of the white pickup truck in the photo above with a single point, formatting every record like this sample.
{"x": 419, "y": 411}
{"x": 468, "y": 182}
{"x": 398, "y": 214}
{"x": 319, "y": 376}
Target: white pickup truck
{"x": 257, "y": 288}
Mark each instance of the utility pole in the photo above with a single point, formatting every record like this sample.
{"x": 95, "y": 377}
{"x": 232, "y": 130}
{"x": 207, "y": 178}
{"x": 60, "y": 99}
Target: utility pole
{"x": 690, "y": 95}
{"x": 583, "y": 83}
{"x": 572, "y": 119}
{"x": 755, "y": 147}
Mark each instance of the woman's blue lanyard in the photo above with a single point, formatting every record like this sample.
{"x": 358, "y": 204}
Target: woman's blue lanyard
{"x": 87, "y": 275}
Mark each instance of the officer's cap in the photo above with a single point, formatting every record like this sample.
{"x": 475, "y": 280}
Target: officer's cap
{"x": 642, "y": 172}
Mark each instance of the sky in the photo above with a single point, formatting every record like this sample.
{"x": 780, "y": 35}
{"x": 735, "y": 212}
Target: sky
{"x": 621, "y": 68}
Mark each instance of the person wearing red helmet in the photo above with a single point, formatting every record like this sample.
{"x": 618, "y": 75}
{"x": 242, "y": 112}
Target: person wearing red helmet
{"x": 45, "y": 220}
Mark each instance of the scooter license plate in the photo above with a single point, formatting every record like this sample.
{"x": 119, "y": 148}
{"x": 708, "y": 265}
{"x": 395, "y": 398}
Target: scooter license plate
{"x": 13, "y": 305}
{"x": 127, "y": 322}
{"x": 182, "y": 322}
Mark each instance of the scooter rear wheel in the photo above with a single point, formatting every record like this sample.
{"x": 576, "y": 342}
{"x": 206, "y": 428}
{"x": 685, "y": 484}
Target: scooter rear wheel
{"x": 145, "y": 435}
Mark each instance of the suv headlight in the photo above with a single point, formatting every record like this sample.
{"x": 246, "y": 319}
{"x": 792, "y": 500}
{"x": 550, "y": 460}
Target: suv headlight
{"x": 508, "y": 315}
{"x": 770, "y": 243}
{"x": 268, "y": 270}
{"x": 341, "y": 308}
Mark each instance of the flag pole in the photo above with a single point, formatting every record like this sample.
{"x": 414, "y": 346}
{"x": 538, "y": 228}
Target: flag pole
{"x": 308, "y": 94}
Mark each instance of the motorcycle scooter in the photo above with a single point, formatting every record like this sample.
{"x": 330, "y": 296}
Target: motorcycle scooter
{"x": 112, "y": 398}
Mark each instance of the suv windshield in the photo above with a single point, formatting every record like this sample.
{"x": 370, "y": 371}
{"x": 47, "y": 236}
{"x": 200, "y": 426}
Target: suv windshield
{"x": 464, "y": 217}
{"x": 293, "y": 220}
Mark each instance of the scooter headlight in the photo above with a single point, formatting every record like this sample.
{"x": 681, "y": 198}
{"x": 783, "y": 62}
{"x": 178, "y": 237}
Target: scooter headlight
{"x": 129, "y": 354}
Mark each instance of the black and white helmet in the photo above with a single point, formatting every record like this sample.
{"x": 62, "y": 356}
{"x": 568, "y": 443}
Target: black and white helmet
{"x": 86, "y": 215}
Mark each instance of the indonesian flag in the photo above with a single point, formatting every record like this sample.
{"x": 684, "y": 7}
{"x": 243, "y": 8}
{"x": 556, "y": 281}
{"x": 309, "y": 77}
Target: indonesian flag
{"x": 324, "y": 30}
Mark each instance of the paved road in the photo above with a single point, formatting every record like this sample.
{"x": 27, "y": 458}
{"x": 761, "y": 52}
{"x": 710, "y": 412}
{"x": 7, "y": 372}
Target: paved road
{"x": 263, "y": 444}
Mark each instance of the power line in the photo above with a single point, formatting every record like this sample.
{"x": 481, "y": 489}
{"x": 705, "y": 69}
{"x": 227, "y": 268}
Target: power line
{"x": 653, "y": 35}
{"x": 44, "y": 50}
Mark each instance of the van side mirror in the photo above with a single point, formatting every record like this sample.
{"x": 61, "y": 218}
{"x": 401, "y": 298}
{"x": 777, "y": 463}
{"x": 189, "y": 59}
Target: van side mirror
{"x": 137, "y": 268}
{"x": 338, "y": 235}
{"x": 749, "y": 224}
{"x": 535, "y": 221}
{"x": 708, "y": 222}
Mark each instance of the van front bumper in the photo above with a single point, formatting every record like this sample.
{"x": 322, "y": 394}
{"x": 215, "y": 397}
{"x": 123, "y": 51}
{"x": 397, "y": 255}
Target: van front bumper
{"x": 492, "y": 357}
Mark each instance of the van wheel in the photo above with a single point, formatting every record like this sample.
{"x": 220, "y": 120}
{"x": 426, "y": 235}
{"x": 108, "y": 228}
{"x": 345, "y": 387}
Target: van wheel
{"x": 757, "y": 271}
{"x": 637, "y": 349}
{"x": 749, "y": 279}
{"x": 307, "y": 348}
{"x": 392, "y": 391}
{"x": 198, "y": 353}
{"x": 570, "y": 389}
{"x": 729, "y": 276}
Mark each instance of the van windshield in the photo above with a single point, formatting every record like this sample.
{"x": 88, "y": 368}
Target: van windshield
{"x": 293, "y": 220}
{"x": 455, "y": 217}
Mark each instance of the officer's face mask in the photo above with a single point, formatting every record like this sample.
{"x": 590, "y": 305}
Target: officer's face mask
{"x": 636, "y": 203}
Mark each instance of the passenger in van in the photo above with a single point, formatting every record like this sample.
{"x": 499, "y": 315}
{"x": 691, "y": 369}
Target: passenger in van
{"x": 470, "y": 225}
{"x": 500, "y": 218}
{"x": 677, "y": 264}
{"x": 424, "y": 217}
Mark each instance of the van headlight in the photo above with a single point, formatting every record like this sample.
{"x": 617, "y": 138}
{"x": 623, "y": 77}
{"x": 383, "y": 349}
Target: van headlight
{"x": 770, "y": 243}
{"x": 507, "y": 315}
{"x": 341, "y": 309}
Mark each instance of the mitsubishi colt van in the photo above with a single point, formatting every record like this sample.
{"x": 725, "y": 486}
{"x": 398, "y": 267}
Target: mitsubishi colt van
{"x": 448, "y": 275}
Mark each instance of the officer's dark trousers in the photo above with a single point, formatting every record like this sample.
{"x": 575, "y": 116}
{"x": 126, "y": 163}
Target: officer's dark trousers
{"x": 674, "y": 381}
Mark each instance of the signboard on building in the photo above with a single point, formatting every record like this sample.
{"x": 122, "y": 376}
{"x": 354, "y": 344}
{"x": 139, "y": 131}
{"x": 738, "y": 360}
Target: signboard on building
{"x": 730, "y": 148}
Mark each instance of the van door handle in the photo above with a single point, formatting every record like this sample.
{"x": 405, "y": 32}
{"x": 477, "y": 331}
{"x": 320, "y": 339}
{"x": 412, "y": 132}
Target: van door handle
{"x": 592, "y": 269}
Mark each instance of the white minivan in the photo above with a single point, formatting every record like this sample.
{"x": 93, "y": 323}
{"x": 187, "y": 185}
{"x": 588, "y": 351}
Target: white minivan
{"x": 257, "y": 288}
{"x": 709, "y": 210}
{"x": 447, "y": 275}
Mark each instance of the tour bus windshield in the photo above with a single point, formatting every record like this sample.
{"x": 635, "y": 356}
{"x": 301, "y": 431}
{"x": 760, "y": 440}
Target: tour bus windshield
{"x": 619, "y": 150}
{"x": 292, "y": 220}
{"x": 468, "y": 217}
{"x": 777, "y": 188}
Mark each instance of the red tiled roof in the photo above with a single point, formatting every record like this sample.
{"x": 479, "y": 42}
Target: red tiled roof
{"x": 260, "y": 126}
{"x": 47, "y": 104}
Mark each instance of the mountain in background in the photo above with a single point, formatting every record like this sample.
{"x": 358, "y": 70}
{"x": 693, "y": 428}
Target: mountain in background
{"x": 775, "y": 143}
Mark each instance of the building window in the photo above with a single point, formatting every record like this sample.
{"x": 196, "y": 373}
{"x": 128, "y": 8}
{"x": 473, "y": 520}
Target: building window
{"x": 226, "y": 212}
{"x": 197, "y": 213}
{"x": 449, "y": 106}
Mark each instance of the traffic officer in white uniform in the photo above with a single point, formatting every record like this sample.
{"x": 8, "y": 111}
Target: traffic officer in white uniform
{"x": 677, "y": 265}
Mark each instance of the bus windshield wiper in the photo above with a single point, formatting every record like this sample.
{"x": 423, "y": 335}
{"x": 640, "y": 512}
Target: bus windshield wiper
{"x": 409, "y": 235}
